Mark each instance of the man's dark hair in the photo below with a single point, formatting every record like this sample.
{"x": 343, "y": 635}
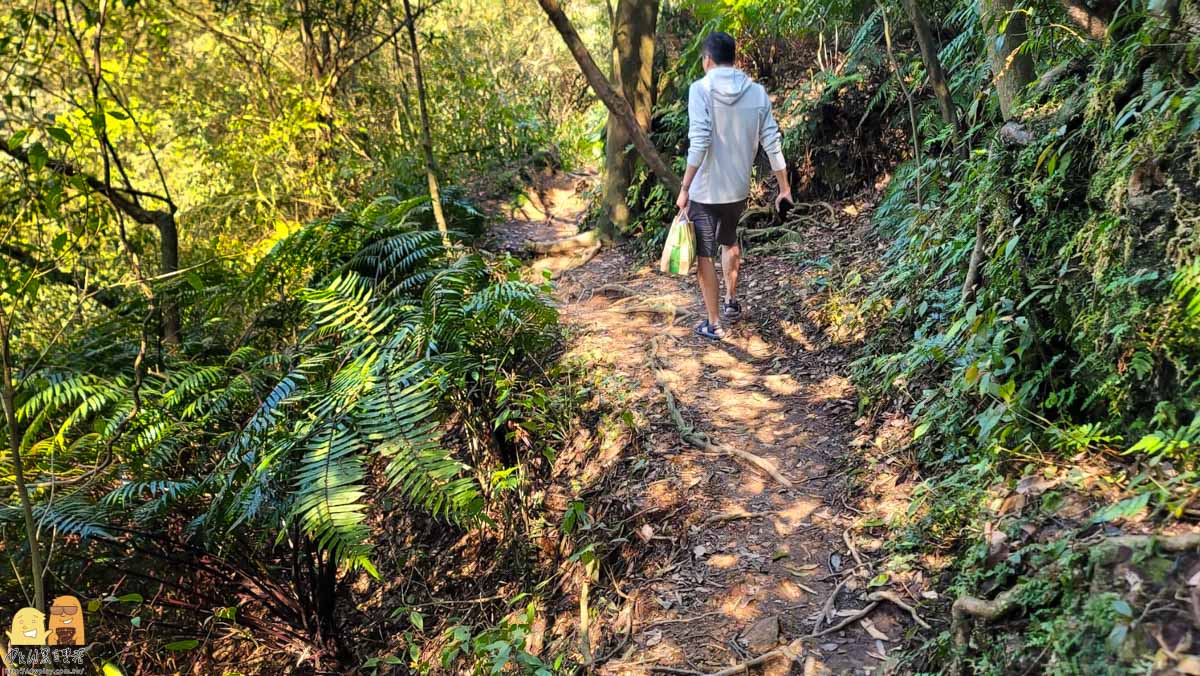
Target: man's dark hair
{"x": 720, "y": 47}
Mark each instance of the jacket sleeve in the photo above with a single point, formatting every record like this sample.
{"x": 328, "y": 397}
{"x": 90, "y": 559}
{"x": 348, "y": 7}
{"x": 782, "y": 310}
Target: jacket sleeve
{"x": 699, "y": 125}
{"x": 772, "y": 139}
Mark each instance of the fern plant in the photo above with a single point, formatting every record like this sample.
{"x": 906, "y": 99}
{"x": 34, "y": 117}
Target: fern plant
{"x": 363, "y": 340}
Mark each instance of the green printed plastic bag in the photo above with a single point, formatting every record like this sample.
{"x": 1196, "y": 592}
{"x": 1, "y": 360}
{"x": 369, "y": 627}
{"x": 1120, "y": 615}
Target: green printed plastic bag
{"x": 679, "y": 252}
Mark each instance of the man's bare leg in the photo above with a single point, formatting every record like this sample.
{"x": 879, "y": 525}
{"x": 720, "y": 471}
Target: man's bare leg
{"x": 706, "y": 271}
{"x": 731, "y": 263}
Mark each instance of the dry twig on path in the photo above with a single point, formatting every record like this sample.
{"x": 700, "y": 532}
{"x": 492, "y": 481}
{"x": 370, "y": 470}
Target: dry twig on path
{"x": 849, "y": 540}
{"x": 698, "y": 439}
{"x": 680, "y": 620}
{"x": 848, "y": 621}
{"x": 827, "y": 607}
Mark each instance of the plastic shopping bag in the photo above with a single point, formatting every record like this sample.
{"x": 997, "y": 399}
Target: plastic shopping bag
{"x": 679, "y": 252}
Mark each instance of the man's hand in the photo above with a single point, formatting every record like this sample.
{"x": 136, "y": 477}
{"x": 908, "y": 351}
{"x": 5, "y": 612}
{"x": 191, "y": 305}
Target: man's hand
{"x": 783, "y": 195}
{"x": 682, "y": 200}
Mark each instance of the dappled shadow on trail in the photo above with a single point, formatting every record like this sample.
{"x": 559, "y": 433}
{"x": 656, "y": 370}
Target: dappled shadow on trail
{"x": 739, "y": 563}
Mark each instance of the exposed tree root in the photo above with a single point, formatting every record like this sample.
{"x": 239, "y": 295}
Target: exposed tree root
{"x": 895, "y": 598}
{"x": 698, "y": 439}
{"x": 736, "y": 516}
{"x": 618, "y": 289}
{"x": 1173, "y": 544}
{"x": 752, "y": 213}
{"x": 584, "y": 240}
{"x": 813, "y": 205}
{"x": 850, "y": 545}
{"x": 793, "y": 651}
{"x": 589, "y": 255}
{"x": 969, "y": 606}
{"x": 761, "y": 233}
{"x": 672, "y": 311}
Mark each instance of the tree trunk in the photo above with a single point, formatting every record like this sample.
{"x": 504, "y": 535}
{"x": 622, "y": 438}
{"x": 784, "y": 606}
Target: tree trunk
{"x": 633, "y": 27}
{"x": 933, "y": 65}
{"x": 168, "y": 237}
{"x": 616, "y": 104}
{"x": 1012, "y": 68}
{"x": 1094, "y": 22}
{"x": 426, "y": 140}
{"x": 8, "y": 400}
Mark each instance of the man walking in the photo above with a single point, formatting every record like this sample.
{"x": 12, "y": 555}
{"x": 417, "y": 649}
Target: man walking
{"x": 729, "y": 116}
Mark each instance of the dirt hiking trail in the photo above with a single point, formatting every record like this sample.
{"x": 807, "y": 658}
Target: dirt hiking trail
{"x": 742, "y": 564}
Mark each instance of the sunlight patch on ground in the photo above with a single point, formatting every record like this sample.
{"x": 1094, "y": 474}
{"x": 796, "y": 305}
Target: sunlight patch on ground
{"x": 752, "y": 483}
{"x": 692, "y": 474}
{"x": 758, "y": 348}
{"x": 792, "y": 518}
{"x": 741, "y": 407}
{"x": 722, "y": 560}
{"x": 791, "y": 591}
{"x": 684, "y": 372}
{"x": 663, "y": 493}
{"x": 736, "y": 603}
{"x": 795, "y": 331}
{"x": 781, "y": 384}
{"x": 832, "y": 387}
{"x": 721, "y": 359}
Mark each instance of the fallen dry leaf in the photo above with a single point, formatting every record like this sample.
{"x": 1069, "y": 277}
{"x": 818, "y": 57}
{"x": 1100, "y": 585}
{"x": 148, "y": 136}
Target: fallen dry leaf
{"x": 873, "y": 630}
{"x": 1190, "y": 664}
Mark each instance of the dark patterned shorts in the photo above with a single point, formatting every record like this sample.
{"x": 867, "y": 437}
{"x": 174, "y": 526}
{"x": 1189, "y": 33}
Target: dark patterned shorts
{"x": 715, "y": 224}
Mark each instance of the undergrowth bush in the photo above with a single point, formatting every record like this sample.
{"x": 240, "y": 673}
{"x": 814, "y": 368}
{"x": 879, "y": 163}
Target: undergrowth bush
{"x": 360, "y": 362}
{"x": 1079, "y": 344}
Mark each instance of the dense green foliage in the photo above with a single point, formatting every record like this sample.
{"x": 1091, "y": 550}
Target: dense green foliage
{"x": 242, "y": 369}
{"x": 238, "y": 353}
{"x": 1080, "y": 343}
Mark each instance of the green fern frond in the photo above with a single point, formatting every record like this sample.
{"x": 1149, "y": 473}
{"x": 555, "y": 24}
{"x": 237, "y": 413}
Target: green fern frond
{"x": 190, "y": 382}
{"x": 398, "y": 254}
{"x": 399, "y": 419}
{"x": 131, "y": 491}
{"x": 346, "y": 306}
{"x": 68, "y": 516}
{"x": 63, "y": 390}
{"x": 267, "y": 413}
{"x": 329, "y": 491}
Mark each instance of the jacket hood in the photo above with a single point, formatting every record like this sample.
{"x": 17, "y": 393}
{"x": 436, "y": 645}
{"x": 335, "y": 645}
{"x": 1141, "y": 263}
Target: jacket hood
{"x": 728, "y": 84}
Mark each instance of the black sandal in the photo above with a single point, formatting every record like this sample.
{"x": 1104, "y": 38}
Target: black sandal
{"x": 732, "y": 310}
{"x": 706, "y": 329}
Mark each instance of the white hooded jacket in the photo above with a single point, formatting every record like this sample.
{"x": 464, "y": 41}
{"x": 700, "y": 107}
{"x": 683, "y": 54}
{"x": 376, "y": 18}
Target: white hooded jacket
{"x": 729, "y": 115}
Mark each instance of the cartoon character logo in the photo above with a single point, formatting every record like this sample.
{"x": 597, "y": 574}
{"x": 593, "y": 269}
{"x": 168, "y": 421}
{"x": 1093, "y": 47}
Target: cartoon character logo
{"x": 66, "y": 622}
{"x": 28, "y": 628}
